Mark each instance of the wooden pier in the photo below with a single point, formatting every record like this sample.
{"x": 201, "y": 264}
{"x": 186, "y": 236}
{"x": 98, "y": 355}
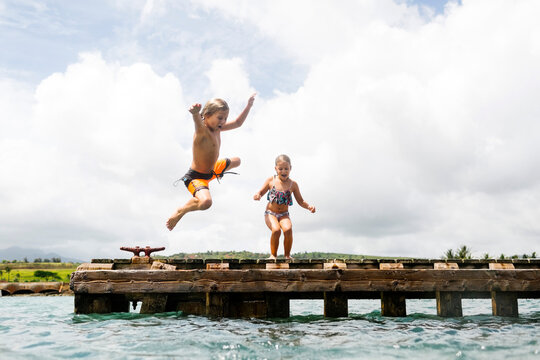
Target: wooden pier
{"x": 263, "y": 288}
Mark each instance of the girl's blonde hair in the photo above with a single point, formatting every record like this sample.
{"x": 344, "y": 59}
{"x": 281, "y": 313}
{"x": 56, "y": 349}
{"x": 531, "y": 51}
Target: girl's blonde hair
{"x": 283, "y": 157}
{"x": 214, "y": 105}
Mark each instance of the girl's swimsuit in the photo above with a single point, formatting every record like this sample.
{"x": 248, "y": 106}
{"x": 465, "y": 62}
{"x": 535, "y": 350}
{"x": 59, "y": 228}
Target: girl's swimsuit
{"x": 277, "y": 215}
{"x": 280, "y": 198}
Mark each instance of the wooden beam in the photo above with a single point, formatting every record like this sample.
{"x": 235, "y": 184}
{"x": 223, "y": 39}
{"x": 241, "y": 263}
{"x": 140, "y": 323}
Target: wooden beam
{"x": 449, "y": 304}
{"x": 296, "y": 280}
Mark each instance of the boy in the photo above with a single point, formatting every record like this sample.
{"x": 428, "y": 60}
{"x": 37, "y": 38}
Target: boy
{"x": 206, "y": 143}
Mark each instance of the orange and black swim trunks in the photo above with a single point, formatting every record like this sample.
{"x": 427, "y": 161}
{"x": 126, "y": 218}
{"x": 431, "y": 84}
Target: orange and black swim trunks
{"x": 196, "y": 181}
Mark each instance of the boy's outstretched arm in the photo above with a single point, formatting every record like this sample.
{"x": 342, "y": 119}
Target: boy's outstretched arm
{"x": 197, "y": 119}
{"x": 242, "y": 117}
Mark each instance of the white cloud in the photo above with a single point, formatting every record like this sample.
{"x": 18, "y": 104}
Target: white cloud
{"x": 411, "y": 133}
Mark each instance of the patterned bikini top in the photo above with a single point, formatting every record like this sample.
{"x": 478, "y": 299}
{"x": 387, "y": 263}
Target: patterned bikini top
{"x": 280, "y": 197}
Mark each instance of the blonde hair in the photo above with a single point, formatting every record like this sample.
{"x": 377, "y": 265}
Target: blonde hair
{"x": 283, "y": 157}
{"x": 214, "y": 105}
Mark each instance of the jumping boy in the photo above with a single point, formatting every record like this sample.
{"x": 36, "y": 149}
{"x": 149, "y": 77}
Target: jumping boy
{"x": 206, "y": 143}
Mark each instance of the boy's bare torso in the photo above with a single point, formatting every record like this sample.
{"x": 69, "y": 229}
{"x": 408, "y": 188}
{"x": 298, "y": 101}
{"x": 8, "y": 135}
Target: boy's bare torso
{"x": 206, "y": 144}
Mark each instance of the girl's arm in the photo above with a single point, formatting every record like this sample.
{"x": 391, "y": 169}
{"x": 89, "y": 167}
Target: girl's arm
{"x": 258, "y": 195}
{"x": 241, "y": 118}
{"x": 299, "y": 199}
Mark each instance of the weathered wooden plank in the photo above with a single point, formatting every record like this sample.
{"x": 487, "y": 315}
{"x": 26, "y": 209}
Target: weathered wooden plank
{"x": 217, "y": 266}
{"x": 336, "y": 304}
{"x": 334, "y": 265}
{"x": 501, "y": 266}
{"x": 276, "y": 266}
{"x": 158, "y": 265}
{"x": 446, "y": 266}
{"x": 128, "y": 281}
{"x": 390, "y": 266}
{"x": 92, "y": 266}
{"x": 449, "y": 304}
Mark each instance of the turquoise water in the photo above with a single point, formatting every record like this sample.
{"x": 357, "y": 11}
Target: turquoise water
{"x": 45, "y": 327}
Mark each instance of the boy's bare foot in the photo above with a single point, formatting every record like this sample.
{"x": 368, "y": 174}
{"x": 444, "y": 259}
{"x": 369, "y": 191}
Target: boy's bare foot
{"x": 272, "y": 257}
{"x": 173, "y": 220}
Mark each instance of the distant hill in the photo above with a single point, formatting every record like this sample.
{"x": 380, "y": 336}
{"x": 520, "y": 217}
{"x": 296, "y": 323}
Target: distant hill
{"x": 18, "y": 253}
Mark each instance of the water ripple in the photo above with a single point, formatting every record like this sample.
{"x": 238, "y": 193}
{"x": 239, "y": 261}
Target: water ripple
{"x": 46, "y": 328}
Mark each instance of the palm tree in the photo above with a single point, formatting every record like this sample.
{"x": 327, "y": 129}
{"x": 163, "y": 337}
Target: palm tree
{"x": 1, "y": 272}
{"x": 449, "y": 254}
{"x": 8, "y": 270}
{"x": 463, "y": 252}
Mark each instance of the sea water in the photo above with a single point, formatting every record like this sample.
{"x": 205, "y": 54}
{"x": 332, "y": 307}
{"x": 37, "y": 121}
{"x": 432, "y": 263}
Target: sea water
{"x": 45, "y": 327}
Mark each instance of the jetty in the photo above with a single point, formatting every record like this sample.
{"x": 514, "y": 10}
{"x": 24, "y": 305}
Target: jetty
{"x": 18, "y": 288}
{"x": 263, "y": 288}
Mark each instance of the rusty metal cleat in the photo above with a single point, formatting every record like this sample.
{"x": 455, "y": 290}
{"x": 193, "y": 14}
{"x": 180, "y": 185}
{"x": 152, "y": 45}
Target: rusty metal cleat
{"x": 137, "y": 250}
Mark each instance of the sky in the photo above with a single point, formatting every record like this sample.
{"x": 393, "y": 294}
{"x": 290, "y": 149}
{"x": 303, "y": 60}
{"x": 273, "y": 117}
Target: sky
{"x": 412, "y": 126}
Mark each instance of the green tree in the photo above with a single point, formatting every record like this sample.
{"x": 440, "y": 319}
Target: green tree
{"x": 486, "y": 256}
{"x": 46, "y": 275}
{"x": 7, "y": 269}
{"x": 449, "y": 254}
{"x": 1, "y": 272}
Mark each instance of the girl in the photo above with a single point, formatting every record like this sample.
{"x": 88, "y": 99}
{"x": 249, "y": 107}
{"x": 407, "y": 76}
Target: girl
{"x": 280, "y": 190}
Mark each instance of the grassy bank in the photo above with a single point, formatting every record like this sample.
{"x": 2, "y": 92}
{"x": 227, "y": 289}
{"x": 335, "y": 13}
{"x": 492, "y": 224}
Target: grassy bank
{"x": 26, "y": 272}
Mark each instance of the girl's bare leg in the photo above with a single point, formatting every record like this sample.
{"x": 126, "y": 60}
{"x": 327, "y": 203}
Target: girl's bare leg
{"x": 273, "y": 225}
{"x": 201, "y": 201}
{"x": 286, "y": 226}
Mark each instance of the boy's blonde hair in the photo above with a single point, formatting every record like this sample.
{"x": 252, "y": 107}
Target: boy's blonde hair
{"x": 214, "y": 105}
{"x": 283, "y": 157}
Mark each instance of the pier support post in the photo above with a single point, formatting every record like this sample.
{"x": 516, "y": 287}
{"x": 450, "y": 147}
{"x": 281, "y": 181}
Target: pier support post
{"x": 217, "y": 304}
{"x": 335, "y": 305}
{"x": 449, "y": 304}
{"x": 504, "y": 304}
{"x": 277, "y": 305}
{"x": 92, "y": 304}
{"x": 119, "y": 303}
{"x": 393, "y": 304}
{"x": 188, "y": 303}
{"x": 154, "y": 303}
